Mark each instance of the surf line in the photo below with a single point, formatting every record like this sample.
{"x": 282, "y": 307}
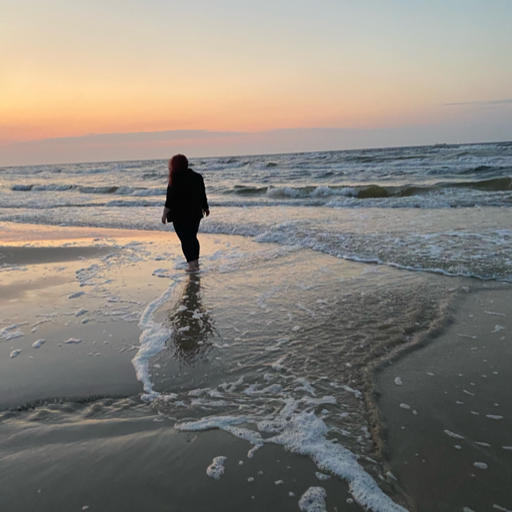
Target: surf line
{"x": 152, "y": 340}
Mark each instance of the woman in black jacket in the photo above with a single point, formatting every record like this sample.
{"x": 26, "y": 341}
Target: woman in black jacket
{"x": 185, "y": 206}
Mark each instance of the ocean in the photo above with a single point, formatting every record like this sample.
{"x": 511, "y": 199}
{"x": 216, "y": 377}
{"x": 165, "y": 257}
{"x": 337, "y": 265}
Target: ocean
{"x": 317, "y": 269}
{"x": 438, "y": 208}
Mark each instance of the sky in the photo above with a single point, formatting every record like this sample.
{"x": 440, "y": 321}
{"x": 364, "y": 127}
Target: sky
{"x": 104, "y": 80}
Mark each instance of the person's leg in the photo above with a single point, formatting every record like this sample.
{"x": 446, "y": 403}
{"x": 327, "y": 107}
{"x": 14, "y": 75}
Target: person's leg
{"x": 187, "y": 233}
{"x": 184, "y": 234}
{"x": 195, "y": 244}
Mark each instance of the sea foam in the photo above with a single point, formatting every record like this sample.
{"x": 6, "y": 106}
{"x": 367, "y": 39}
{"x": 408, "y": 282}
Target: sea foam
{"x": 152, "y": 339}
{"x": 302, "y": 432}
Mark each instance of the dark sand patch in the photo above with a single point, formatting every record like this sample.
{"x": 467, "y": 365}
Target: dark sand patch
{"x": 40, "y": 255}
{"x": 451, "y": 454}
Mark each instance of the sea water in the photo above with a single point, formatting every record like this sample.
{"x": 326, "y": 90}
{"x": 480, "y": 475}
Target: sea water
{"x": 287, "y": 362}
{"x": 439, "y": 208}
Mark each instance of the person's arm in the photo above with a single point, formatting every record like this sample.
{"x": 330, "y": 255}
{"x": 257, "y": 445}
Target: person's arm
{"x": 204, "y": 200}
{"x": 167, "y": 207}
{"x": 164, "y": 215}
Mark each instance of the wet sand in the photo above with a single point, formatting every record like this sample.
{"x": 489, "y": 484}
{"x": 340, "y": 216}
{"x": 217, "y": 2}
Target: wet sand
{"x": 83, "y": 297}
{"x": 45, "y": 295}
{"x": 66, "y": 446}
{"x": 75, "y": 439}
{"x": 16, "y": 255}
{"x": 78, "y": 435}
{"x": 13, "y": 233}
{"x": 94, "y": 457}
{"x": 449, "y": 422}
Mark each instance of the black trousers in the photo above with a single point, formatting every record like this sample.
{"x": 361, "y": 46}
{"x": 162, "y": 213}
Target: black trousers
{"x": 187, "y": 233}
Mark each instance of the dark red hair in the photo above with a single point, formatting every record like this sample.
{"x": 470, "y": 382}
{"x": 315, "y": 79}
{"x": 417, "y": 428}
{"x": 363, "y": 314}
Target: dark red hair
{"x": 177, "y": 165}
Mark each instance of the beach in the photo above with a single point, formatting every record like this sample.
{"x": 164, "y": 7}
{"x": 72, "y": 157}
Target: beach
{"x": 73, "y": 403}
{"x": 71, "y": 397}
{"x": 337, "y": 352}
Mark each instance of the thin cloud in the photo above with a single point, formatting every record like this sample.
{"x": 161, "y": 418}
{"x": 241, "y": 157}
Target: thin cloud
{"x": 491, "y": 102}
{"x": 133, "y": 137}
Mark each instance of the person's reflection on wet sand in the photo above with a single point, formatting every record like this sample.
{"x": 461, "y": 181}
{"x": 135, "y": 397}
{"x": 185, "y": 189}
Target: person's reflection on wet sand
{"x": 191, "y": 323}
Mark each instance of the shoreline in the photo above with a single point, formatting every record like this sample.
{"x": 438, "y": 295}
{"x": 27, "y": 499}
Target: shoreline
{"x": 397, "y": 353}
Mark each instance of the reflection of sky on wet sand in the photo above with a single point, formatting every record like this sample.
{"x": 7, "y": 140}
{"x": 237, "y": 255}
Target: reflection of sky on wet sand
{"x": 192, "y": 324}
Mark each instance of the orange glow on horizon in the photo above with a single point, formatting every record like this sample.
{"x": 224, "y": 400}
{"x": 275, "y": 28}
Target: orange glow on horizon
{"x": 71, "y": 69}
{"x": 76, "y": 114}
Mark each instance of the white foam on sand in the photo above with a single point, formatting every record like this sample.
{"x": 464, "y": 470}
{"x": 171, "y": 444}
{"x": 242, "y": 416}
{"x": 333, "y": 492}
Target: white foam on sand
{"x": 216, "y": 468}
{"x": 211, "y": 422}
{"x": 12, "y": 332}
{"x": 302, "y": 432}
{"x": 453, "y": 434}
{"x": 44, "y": 320}
{"x": 38, "y": 343}
{"x": 252, "y": 451}
{"x": 244, "y": 433}
{"x": 305, "y": 434}
{"x": 152, "y": 340}
{"x": 501, "y": 509}
{"x": 313, "y": 500}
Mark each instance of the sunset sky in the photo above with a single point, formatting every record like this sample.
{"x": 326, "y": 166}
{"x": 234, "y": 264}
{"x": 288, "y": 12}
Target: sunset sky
{"x": 116, "y": 80}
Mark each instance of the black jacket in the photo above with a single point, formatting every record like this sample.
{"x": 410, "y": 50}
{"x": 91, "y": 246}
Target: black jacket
{"x": 186, "y": 197}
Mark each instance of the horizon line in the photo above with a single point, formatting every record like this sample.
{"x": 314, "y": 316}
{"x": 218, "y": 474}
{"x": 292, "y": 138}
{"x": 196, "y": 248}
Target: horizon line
{"x": 370, "y": 148}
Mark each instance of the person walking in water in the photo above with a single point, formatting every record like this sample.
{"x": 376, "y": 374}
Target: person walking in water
{"x": 185, "y": 206}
